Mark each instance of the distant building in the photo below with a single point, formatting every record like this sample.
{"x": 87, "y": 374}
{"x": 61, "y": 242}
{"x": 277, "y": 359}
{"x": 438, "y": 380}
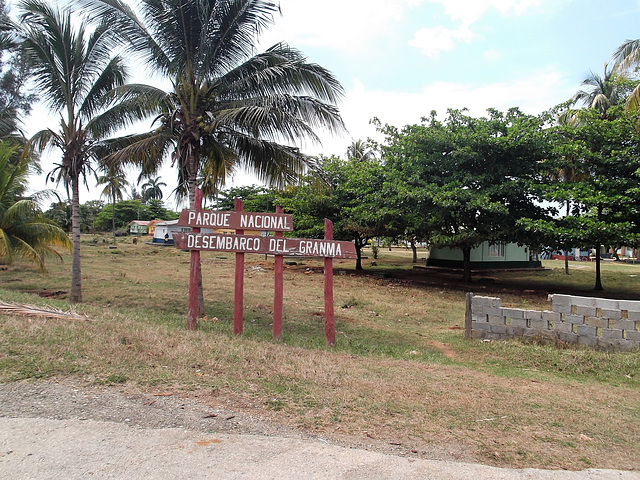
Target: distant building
{"x": 139, "y": 227}
{"x": 486, "y": 256}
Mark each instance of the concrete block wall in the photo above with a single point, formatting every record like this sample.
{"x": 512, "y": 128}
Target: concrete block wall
{"x": 597, "y": 322}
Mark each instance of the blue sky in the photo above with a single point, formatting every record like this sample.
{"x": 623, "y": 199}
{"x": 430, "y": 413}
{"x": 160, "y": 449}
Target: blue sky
{"x": 400, "y": 59}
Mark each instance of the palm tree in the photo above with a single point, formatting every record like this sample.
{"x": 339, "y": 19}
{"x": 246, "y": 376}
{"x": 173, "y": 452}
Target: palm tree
{"x": 74, "y": 71}
{"x": 625, "y": 58}
{"x": 604, "y": 91}
{"x": 114, "y": 181}
{"x": 152, "y": 189}
{"x": 360, "y": 150}
{"x": 24, "y": 231}
{"x": 228, "y": 106}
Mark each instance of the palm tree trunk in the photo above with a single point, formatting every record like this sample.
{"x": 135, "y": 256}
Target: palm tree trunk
{"x": 192, "y": 172}
{"x": 76, "y": 276}
{"x": 113, "y": 218}
{"x": 414, "y": 249}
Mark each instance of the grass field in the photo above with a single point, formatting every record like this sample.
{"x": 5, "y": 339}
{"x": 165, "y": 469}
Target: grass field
{"x": 401, "y": 371}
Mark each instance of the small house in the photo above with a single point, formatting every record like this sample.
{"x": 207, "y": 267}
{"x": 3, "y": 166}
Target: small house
{"x": 139, "y": 227}
{"x": 164, "y": 231}
{"x": 486, "y": 256}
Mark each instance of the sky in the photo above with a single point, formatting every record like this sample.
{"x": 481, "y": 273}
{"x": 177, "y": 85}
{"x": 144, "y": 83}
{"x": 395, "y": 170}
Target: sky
{"x": 398, "y": 60}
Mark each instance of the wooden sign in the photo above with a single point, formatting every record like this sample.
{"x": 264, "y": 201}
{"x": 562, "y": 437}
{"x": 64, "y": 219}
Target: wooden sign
{"x": 269, "y": 222}
{"x": 293, "y": 247}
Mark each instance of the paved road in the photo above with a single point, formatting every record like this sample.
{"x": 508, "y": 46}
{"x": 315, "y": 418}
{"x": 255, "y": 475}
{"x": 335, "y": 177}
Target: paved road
{"x": 40, "y": 448}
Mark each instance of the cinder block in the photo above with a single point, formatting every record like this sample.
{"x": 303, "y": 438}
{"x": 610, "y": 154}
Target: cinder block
{"x": 566, "y": 309}
{"x": 477, "y": 309}
{"x": 480, "y": 326}
{"x": 588, "y": 340}
{"x": 496, "y": 320}
{"x": 613, "y": 314}
{"x": 583, "y": 301}
{"x": 624, "y": 324}
{"x": 477, "y": 334}
{"x": 500, "y": 329}
{"x": 567, "y": 337}
{"x": 563, "y": 327}
{"x": 587, "y": 331}
{"x": 613, "y": 343}
{"x": 533, "y": 314}
{"x": 606, "y": 304}
{"x": 557, "y": 299}
{"x": 520, "y": 331}
{"x": 487, "y": 301}
{"x": 575, "y": 319}
{"x": 479, "y": 318}
{"x": 554, "y": 317}
{"x": 597, "y": 322}
{"x": 493, "y": 311}
{"x": 633, "y": 315}
{"x": 632, "y": 336}
{"x": 630, "y": 305}
{"x": 518, "y": 323}
{"x": 610, "y": 333}
{"x": 585, "y": 311}
{"x": 513, "y": 312}
{"x": 539, "y": 325}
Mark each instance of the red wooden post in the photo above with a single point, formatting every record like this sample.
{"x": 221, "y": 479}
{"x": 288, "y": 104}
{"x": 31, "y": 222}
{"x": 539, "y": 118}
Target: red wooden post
{"x": 329, "y": 321}
{"x": 239, "y": 281}
{"x": 194, "y": 273}
{"x": 278, "y": 290}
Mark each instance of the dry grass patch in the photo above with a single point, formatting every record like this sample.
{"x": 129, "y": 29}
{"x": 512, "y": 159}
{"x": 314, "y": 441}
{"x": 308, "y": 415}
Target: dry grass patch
{"x": 401, "y": 372}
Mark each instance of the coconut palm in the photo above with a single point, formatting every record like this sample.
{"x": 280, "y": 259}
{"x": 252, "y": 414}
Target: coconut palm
{"x": 24, "y": 231}
{"x": 152, "y": 189}
{"x": 114, "y": 181}
{"x": 603, "y": 91}
{"x": 74, "y": 71}
{"x": 228, "y": 108}
{"x": 625, "y": 58}
{"x": 360, "y": 150}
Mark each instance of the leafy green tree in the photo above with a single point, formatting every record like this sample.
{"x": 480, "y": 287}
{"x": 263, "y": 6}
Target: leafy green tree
{"x": 254, "y": 198}
{"x": 74, "y": 71}
{"x": 605, "y": 197}
{"x": 351, "y": 194}
{"x": 15, "y": 98}
{"x": 472, "y": 177}
{"x": 24, "y": 230}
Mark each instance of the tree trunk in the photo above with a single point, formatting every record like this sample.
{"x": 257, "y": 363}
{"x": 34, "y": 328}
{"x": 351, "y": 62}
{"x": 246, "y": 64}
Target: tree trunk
{"x": 113, "y": 219}
{"x": 192, "y": 173}
{"x": 76, "y": 276}
{"x": 358, "y": 255}
{"x": 566, "y": 248}
{"x": 466, "y": 265}
{"x": 598, "y": 286}
{"x": 415, "y": 250}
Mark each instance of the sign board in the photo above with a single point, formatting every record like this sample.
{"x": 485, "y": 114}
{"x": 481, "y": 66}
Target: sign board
{"x": 270, "y": 222}
{"x": 293, "y": 247}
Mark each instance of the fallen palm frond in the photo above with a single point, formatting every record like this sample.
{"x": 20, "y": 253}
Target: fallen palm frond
{"x": 30, "y": 310}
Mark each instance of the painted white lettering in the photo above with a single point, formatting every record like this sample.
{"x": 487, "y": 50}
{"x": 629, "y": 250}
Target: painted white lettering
{"x": 192, "y": 215}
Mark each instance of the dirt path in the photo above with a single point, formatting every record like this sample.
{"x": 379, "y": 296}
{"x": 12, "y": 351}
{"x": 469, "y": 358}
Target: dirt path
{"x": 50, "y": 430}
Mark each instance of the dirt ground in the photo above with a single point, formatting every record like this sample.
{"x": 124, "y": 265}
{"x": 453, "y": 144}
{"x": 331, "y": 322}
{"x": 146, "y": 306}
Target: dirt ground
{"x": 65, "y": 430}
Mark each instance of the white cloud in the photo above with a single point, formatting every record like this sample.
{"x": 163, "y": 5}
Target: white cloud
{"x": 533, "y": 93}
{"x": 441, "y": 39}
{"x": 492, "y": 55}
{"x": 345, "y": 25}
{"x": 432, "y": 41}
